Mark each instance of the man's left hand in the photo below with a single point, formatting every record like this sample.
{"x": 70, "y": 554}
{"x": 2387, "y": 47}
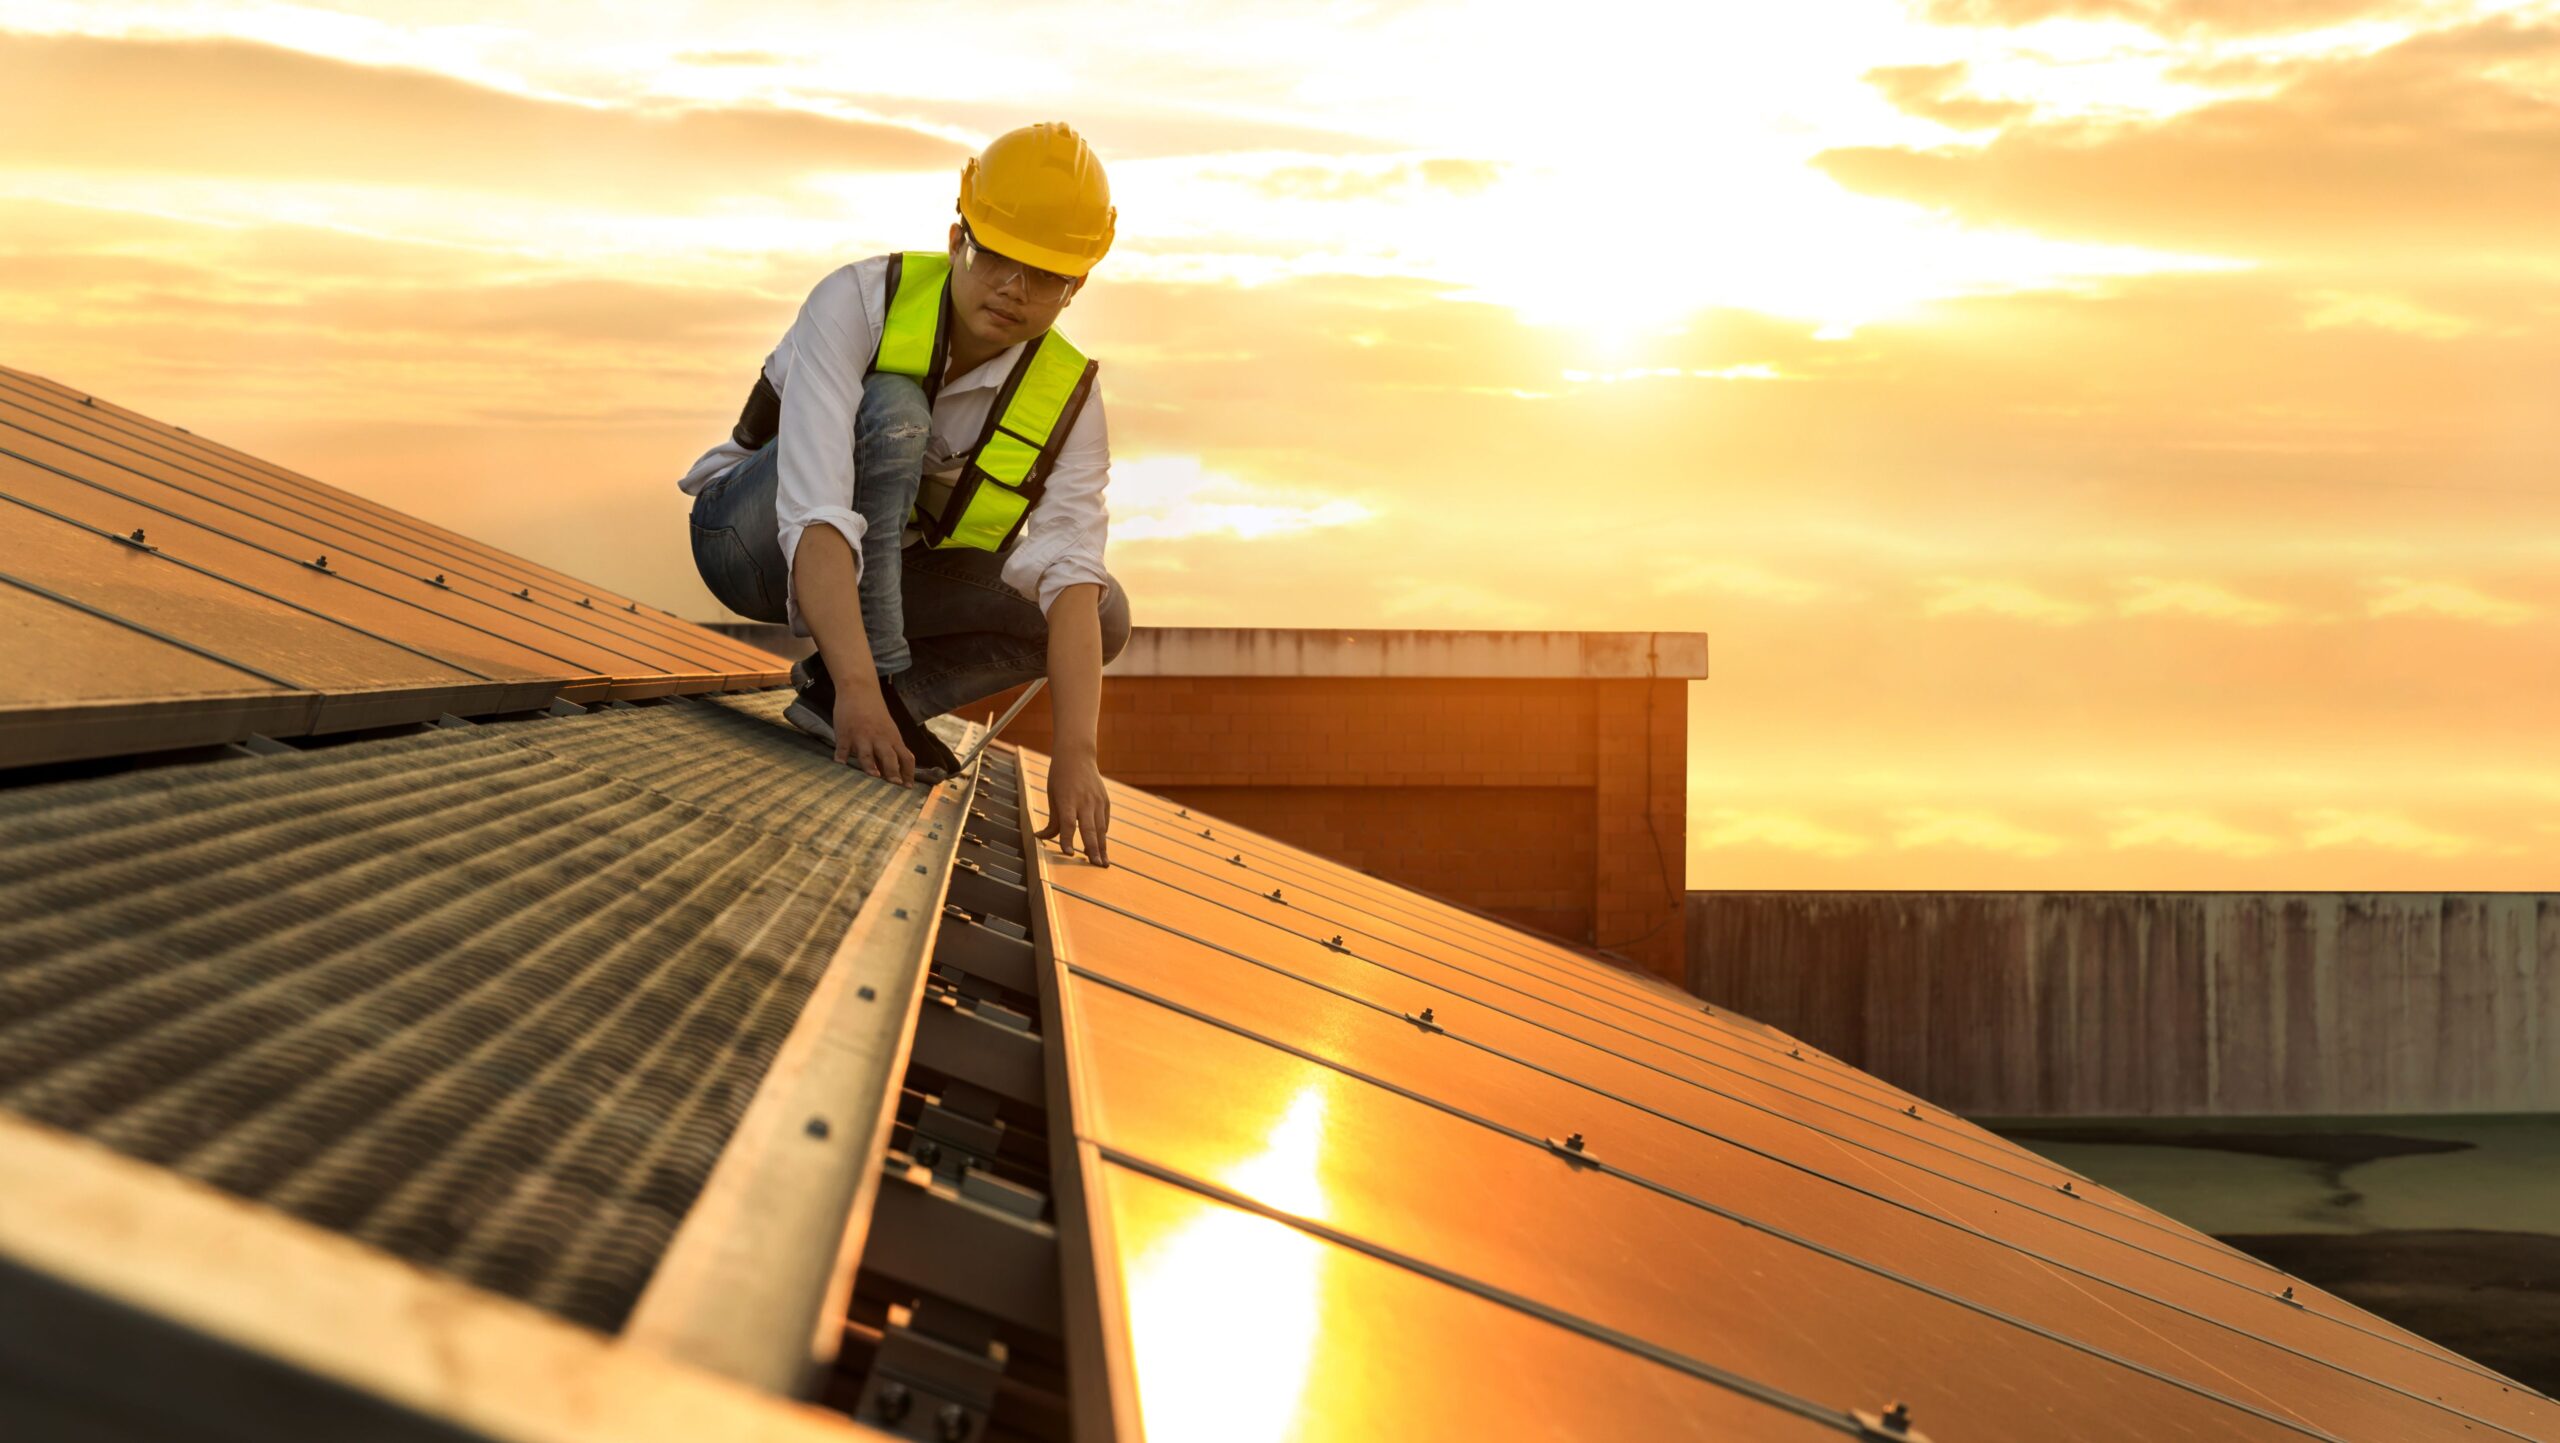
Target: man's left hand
{"x": 1079, "y": 806}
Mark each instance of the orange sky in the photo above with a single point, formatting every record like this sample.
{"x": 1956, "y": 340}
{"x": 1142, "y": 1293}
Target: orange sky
{"x": 2111, "y": 442}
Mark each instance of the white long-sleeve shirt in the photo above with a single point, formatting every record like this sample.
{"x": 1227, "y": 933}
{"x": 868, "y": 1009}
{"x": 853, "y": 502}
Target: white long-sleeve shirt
{"x": 818, "y": 368}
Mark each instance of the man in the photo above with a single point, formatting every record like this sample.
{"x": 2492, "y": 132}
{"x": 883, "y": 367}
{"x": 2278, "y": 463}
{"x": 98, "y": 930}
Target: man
{"x": 917, "y": 481}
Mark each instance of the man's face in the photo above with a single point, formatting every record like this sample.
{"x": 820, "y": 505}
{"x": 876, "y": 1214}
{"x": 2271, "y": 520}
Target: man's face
{"x": 997, "y": 300}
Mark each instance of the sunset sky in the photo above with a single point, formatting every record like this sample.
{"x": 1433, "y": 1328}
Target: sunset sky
{"x": 2111, "y": 443}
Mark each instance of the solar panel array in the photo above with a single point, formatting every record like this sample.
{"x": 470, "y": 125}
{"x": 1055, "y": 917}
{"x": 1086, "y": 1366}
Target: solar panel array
{"x": 162, "y": 591}
{"x": 1368, "y": 1165}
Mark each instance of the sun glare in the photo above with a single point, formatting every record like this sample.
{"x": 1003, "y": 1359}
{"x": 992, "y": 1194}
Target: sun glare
{"x": 1223, "y": 1310}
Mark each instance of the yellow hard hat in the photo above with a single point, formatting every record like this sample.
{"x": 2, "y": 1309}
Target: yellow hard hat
{"x": 1038, "y": 195}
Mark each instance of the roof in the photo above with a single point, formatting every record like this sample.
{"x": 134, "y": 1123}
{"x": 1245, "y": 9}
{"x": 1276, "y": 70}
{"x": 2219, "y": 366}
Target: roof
{"x": 163, "y": 591}
{"x": 638, "y": 1073}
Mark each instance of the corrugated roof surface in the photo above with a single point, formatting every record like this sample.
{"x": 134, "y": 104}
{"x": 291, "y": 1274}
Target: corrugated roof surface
{"x": 1367, "y": 1165}
{"x": 489, "y": 997}
{"x": 163, "y": 591}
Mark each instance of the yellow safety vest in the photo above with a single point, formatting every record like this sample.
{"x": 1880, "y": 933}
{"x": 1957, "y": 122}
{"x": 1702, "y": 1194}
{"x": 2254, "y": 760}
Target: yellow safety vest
{"x": 1003, "y": 473}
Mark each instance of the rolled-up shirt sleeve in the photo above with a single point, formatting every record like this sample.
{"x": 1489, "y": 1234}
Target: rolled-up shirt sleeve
{"x": 830, "y": 347}
{"x": 1062, "y": 541}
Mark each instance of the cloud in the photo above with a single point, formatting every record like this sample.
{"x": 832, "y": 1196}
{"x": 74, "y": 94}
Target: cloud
{"x": 2141, "y": 827}
{"x": 719, "y": 58}
{"x": 2230, "y": 17}
{"x": 1917, "y": 828}
{"x": 1749, "y": 371}
{"x": 1725, "y": 828}
{"x": 1166, "y": 498}
{"x": 2444, "y": 142}
{"x": 1738, "y": 578}
{"x": 2450, "y": 600}
{"x": 2328, "y": 828}
{"x": 1987, "y": 596}
{"x": 1459, "y": 604}
{"x": 1932, "y": 93}
{"x": 1354, "y": 179}
{"x": 2206, "y": 600}
{"x": 234, "y": 109}
{"x": 2337, "y": 310}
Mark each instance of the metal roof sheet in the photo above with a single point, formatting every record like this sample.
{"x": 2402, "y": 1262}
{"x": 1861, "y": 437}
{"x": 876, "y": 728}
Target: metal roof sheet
{"x": 490, "y": 998}
{"x": 322, "y": 611}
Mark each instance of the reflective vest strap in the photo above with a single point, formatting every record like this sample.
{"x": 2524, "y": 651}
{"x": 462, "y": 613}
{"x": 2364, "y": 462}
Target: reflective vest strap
{"x": 1026, "y": 427}
{"x": 911, "y": 336}
{"x": 989, "y": 518}
{"x": 1040, "y": 395}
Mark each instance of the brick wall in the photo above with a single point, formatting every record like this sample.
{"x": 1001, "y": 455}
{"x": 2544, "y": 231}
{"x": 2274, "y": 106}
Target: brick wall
{"x": 1557, "y": 803}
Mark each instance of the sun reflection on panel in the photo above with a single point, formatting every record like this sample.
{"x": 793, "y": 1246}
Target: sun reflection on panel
{"x": 1223, "y": 1309}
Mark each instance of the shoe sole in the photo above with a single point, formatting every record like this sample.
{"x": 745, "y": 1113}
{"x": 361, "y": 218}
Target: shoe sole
{"x": 805, "y": 717}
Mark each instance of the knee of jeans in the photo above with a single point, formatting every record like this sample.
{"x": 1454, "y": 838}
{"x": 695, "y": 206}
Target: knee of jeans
{"x": 1114, "y": 617}
{"x": 894, "y": 408}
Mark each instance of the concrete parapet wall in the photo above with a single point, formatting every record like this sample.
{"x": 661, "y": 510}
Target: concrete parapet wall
{"x": 2157, "y": 1004}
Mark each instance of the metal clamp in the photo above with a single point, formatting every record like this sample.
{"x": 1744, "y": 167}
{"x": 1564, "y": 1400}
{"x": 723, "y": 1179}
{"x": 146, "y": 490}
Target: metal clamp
{"x": 1572, "y": 1150}
{"x": 932, "y": 1387}
{"x": 1893, "y": 1425}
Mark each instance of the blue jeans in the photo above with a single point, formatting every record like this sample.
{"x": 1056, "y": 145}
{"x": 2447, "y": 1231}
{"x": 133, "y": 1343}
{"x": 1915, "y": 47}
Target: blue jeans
{"x": 942, "y": 622}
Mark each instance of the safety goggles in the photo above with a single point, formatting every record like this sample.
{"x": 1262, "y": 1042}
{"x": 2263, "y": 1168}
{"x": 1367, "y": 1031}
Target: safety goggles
{"x": 996, "y": 272}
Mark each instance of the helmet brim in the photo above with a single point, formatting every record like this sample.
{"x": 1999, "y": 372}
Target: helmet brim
{"x": 992, "y": 234}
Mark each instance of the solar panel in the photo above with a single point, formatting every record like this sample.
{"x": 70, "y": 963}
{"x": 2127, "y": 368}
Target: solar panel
{"x": 242, "y": 599}
{"x": 1346, "y": 1067}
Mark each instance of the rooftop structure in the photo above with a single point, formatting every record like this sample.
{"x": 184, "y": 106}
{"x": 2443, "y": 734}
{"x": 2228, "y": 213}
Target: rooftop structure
{"x": 1536, "y": 776}
{"x": 635, "y": 1073}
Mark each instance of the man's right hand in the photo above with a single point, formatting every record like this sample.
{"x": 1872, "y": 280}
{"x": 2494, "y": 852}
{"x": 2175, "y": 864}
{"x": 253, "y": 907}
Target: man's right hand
{"x": 867, "y": 737}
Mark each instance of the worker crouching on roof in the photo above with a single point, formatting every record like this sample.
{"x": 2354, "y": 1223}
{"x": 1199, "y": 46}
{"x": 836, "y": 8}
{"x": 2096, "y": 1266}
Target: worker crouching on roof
{"x": 917, "y": 483}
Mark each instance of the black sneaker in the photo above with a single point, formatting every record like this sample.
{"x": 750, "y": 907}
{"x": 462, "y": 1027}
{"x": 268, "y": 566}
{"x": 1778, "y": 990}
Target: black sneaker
{"x": 934, "y": 761}
{"x": 814, "y": 710}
